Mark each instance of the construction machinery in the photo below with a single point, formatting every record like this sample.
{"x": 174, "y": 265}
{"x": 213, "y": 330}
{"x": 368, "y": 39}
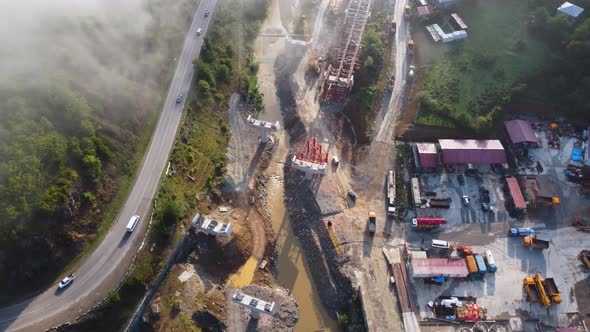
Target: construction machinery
{"x": 582, "y": 224}
{"x": 584, "y": 257}
{"x": 542, "y": 291}
{"x": 315, "y": 64}
{"x": 533, "y": 242}
{"x": 410, "y": 47}
{"x": 372, "y": 222}
{"x": 463, "y": 251}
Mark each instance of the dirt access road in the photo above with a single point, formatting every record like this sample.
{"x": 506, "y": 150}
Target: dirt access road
{"x": 102, "y": 271}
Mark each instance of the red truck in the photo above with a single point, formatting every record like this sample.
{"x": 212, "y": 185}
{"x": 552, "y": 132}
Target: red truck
{"x": 425, "y": 223}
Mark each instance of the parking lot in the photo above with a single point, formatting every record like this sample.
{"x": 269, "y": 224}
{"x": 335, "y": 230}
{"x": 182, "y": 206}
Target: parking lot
{"x": 468, "y": 224}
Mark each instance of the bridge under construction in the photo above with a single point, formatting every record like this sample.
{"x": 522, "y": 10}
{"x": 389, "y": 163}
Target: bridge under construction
{"x": 338, "y": 78}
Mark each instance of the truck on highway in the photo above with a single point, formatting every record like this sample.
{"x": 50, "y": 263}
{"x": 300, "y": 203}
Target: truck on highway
{"x": 372, "y": 222}
{"x": 533, "y": 242}
{"x": 391, "y": 193}
{"x": 443, "y": 203}
{"x": 393, "y": 27}
{"x": 523, "y": 231}
{"x": 428, "y": 223}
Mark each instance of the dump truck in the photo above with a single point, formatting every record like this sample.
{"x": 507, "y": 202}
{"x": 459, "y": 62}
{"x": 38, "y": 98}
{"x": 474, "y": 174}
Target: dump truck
{"x": 410, "y": 47}
{"x": 428, "y": 223}
{"x": 547, "y": 201}
{"x": 372, "y": 222}
{"x": 491, "y": 263}
{"x": 533, "y": 242}
{"x": 584, "y": 257}
{"x": 391, "y": 193}
{"x": 443, "y": 203}
{"x": 523, "y": 231}
{"x": 552, "y": 290}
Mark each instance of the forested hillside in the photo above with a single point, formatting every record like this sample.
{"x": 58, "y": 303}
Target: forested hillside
{"x": 82, "y": 86}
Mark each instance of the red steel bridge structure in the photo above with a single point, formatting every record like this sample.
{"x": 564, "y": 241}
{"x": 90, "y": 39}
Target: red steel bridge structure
{"x": 338, "y": 78}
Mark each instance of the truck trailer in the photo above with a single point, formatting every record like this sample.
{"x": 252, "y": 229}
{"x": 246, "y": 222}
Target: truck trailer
{"x": 428, "y": 223}
{"x": 443, "y": 203}
{"x": 524, "y": 231}
{"x": 490, "y": 261}
{"x": 391, "y": 193}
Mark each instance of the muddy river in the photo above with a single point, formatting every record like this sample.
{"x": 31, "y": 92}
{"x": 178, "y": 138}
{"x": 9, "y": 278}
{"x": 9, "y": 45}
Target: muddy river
{"x": 293, "y": 273}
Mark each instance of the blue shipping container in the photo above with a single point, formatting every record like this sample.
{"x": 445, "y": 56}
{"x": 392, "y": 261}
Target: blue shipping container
{"x": 481, "y": 265}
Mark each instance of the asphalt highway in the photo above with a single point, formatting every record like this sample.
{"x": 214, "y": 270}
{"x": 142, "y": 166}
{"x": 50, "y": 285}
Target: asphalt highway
{"x": 101, "y": 271}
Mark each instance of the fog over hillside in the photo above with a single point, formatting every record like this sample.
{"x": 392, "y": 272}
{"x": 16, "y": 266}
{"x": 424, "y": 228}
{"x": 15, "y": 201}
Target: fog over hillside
{"x": 98, "y": 44}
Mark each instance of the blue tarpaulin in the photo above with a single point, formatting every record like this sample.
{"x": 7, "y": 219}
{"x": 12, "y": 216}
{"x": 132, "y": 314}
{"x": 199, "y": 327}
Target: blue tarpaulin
{"x": 577, "y": 154}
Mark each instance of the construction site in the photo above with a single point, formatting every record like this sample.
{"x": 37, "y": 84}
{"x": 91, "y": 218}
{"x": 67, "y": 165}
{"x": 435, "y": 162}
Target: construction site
{"x": 393, "y": 236}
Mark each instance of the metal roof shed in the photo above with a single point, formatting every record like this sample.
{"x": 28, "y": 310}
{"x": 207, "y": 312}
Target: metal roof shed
{"x": 520, "y": 131}
{"x": 434, "y": 267}
{"x": 427, "y": 154}
{"x": 570, "y": 9}
{"x": 472, "y": 151}
{"x": 516, "y": 193}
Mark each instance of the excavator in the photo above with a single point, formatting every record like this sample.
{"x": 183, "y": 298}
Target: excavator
{"x": 462, "y": 250}
{"x": 543, "y": 291}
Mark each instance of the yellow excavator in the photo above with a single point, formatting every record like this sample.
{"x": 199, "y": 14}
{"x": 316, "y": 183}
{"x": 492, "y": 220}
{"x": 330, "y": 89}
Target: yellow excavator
{"x": 543, "y": 291}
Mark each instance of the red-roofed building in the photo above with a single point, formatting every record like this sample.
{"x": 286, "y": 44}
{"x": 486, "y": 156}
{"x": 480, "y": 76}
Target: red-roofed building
{"x": 521, "y": 133}
{"x": 426, "y": 155}
{"x": 423, "y": 11}
{"x": 434, "y": 267}
{"x": 516, "y": 193}
{"x": 471, "y": 151}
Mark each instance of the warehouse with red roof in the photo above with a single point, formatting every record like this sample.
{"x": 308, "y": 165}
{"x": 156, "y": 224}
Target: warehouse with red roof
{"x": 521, "y": 133}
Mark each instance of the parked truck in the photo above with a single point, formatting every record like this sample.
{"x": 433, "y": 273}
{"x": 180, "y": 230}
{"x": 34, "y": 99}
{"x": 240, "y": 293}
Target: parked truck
{"x": 523, "y": 231}
{"x": 391, "y": 193}
{"x": 491, "y": 263}
{"x": 443, "y": 203}
{"x": 410, "y": 47}
{"x": 428, "y": 223}
{"x": 485, "y": 199}
{"x": 472, "y": 267}
{"x": 372, "y": 222}
{"x": 533, "y": 242}
{"x": 547, "y": 201}
{"x": 481, "y": 265}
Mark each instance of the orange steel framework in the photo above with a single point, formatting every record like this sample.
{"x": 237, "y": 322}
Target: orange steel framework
{"x": 313, "y": 152}
{"x": 338, "y": 78}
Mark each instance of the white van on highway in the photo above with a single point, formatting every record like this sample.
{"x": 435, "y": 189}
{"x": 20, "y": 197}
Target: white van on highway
{"x": 132, "y": 223}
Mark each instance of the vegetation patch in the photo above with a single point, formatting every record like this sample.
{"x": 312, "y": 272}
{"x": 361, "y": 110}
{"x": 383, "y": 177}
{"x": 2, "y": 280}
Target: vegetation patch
{"x": 370, "y": 78}
{"x": 468, "y": 84}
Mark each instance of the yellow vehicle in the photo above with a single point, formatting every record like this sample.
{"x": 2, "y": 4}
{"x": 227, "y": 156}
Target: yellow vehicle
{"x": 372, "y": 222}
{"x": 542, "y": 291}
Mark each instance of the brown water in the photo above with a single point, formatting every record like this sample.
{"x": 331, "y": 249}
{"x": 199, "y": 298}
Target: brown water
{"x": 292, "y": 266}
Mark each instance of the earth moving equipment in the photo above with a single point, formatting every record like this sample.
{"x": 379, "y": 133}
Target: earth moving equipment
{"x": 584, "y": 257}
{"x": 428, "y": 223}
{"x": 372, "y": 222}
{"x": 463, "y": 251}
{"x": 582, "y": 224}
{"x": 542, "y": 291}
{"x": 533, "y": 242}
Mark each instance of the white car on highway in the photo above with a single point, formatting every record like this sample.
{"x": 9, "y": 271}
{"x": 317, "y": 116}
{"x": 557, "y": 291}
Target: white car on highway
{"x": 65, "y": 282}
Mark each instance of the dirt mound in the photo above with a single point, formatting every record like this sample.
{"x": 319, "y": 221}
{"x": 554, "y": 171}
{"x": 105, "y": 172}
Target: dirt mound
{"x": 207, "y": 322}
{"x": 221, "y": 257}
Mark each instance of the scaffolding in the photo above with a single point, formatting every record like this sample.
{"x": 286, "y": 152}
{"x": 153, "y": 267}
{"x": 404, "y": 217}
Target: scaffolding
{"x": 338, "y": 79}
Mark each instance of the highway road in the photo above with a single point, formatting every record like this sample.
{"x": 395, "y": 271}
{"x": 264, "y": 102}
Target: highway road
{"x": 102, "y": 271}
